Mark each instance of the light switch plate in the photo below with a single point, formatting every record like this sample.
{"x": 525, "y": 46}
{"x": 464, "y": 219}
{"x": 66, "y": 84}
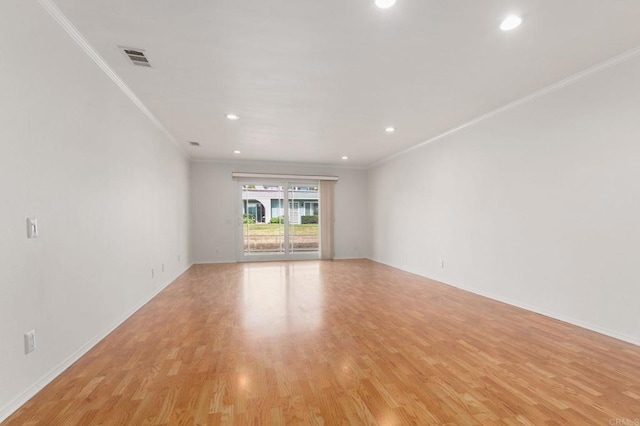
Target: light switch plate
{"x": 29, "y": 341}
{"x": 32, "y": 227}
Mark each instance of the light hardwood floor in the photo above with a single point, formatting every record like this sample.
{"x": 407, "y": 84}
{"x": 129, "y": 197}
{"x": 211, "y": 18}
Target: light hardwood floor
{"x": 339, "y": 342}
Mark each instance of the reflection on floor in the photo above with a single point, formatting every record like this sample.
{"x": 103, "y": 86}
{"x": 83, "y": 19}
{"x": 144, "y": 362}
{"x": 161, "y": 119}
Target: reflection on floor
{"x": 280, "y": 298}
{"x": 339, "y": 342}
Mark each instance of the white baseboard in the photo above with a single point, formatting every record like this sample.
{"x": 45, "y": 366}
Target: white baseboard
{"x": 217, "y": 262}
{"x": 14, "y": 405}
{"x": 557, "y": 316}
{"x": 21, "y": 399}
{"x": 560, "y": 317}
{"x": 350, "y": 258}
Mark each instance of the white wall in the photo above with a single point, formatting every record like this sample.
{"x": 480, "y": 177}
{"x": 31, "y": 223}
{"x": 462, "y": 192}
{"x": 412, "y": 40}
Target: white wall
{"x": 109, "y": 190}
{"x": 538, "y": 206}
{"x": 215, "y": 197}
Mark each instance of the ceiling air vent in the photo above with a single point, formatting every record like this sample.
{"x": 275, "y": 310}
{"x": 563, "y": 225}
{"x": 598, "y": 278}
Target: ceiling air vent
{"x": 192, "y": 143}
{"x": 136, "y": 56}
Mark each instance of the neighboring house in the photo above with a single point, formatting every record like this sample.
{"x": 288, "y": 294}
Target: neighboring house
{"x": 264, "y": 203}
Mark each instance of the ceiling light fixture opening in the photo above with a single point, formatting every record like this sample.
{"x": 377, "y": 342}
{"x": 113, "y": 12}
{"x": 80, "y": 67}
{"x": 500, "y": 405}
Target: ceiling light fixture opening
{"x": 232, "y": 117}
{"x": 510, "y": 22}
{"x": 390, "y": 129}
{"x": 236, "y": 152}
{"x": 385, "y": 4}
{"x": 344, "y": 157}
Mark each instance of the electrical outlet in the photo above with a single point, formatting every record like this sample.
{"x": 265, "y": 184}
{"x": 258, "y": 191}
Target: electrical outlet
{"x": 29, "y": 341}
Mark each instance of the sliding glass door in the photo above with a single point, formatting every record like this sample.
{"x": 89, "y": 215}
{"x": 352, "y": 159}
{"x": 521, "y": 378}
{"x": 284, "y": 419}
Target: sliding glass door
{"x": 280, "y": 220}
{"x": 263, "y": 227}
{"x": 303, "y": 219}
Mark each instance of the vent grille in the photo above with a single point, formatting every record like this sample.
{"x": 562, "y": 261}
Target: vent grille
{"x": 136, "y": 56}
{"x": 194, "y": 143}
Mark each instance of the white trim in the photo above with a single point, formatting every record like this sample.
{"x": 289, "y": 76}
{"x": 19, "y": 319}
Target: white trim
{"x": 277, "y": 163}
{"x": 560, "y": 317}
{"x": 548, "y": 89}
{"x": 286, "y": 255}
{"x": 66, "y": 25}
{"x": 351, "y": 258}
{"x": 243, "y": 175}
{"x": 64, "y": 22}
{"x": 48, "y": 377}
{"x": 541, "y": 311}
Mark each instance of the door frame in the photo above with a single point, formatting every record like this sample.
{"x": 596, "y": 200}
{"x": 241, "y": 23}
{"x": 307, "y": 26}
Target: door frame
{"x": 287, "y": 255}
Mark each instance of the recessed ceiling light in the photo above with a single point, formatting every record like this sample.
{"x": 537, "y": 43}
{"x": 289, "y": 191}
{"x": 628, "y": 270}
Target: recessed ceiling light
{"x": 236, "y": 152}
{"x": 510, "y": 22}
{"x": 390, "y": 129}
{"x": 344, "y": 157}
{"x": 232, "y": 117}
{"x": 385, "y": 4}
{"x": 194, "y": 143}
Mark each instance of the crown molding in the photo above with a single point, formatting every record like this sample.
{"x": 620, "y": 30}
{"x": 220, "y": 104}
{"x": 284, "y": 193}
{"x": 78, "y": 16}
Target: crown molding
{"x": 240, "y": 162}
{"x": 611, "y": 62}
{"x": 70, "y": 29}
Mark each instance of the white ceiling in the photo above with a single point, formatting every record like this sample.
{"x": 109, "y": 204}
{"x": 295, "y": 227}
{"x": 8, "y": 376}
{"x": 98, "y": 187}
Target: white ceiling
{"x": 315, "y": 80}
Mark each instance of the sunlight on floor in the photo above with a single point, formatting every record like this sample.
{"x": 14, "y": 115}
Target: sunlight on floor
{"x": 281, "y": 298}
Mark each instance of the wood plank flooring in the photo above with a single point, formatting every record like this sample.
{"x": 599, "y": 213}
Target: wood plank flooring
{"x": 339, "y": 342}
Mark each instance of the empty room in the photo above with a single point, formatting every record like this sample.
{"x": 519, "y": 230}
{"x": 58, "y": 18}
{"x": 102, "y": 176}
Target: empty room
{"x": 381, "y": 212}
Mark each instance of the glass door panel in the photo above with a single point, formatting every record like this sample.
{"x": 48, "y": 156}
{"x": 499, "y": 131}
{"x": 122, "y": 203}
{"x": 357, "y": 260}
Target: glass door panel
{"x": 303, "y": 219}
{"x": 263, "y": 227}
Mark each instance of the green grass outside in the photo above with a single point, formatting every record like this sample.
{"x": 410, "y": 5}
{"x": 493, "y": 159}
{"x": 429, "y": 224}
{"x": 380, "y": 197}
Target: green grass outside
{"x": 278, "y": 229}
